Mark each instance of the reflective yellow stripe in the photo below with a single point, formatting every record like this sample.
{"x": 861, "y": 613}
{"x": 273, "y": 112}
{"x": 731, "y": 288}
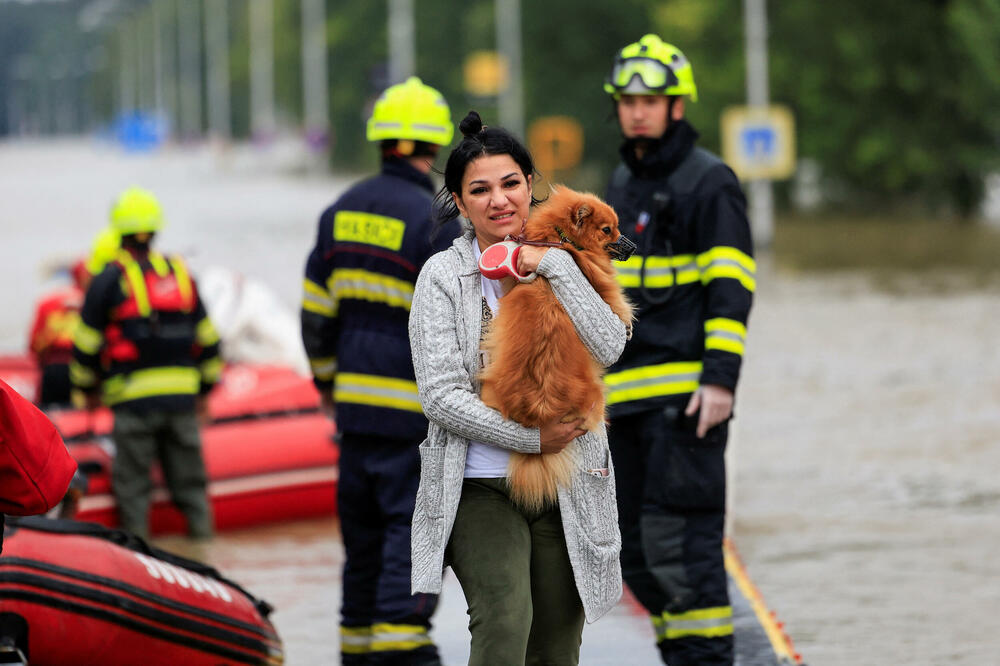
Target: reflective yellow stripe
{"x": 81, "y": 375}
{"x": 659, "y": 271}
{"x": 725, "y": 334}
{"x": 728, "y": 262}
{"x": 184, "y": 285}
{"x": 323, "y": 369}
{"x": 659, "y": 627}
{"x": 205, "y": 334}
{"x": 652, "y": 381}
{"x": 87, "y": 339}
{"x": 316, "y": 299}
{"x": 395, "y": 637}
{"x": 136, "y": 283}
{"x": 377, "y": 391}
{"x": 704, "y": 622}
{"x": 368, "y": 286}
{"x": 151, "y": 382}
{"x": 211, "y": 370}
{"x": 355, "y": 640}
{"x": 159, "y": 264}
{"x": 351, "y": 226}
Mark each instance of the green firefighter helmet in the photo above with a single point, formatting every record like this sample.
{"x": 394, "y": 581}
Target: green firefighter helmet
{"x": 411, "y": 111}
{"x": 651, "y": 67}
{"x": 136, "y": 211}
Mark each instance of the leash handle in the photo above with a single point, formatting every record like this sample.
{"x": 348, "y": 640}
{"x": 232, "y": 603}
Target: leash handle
{"x": 499, "y": 261}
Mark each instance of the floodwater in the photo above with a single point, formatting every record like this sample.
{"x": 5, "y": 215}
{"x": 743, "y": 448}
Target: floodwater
{"x": 865, "y": 497}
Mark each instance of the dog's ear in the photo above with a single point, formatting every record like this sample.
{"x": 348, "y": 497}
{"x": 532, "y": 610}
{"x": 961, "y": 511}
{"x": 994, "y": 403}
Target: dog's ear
{"x": 583, "y": 211}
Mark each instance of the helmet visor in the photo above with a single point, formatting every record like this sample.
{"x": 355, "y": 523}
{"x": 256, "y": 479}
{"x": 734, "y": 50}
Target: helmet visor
{"x": 653, "y": 75}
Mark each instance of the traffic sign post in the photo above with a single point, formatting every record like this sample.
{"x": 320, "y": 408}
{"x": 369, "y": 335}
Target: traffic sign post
{"x": 759, "y": 142}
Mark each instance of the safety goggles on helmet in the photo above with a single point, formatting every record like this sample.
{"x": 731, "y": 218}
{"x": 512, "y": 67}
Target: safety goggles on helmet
{"x": 640, "y": 75}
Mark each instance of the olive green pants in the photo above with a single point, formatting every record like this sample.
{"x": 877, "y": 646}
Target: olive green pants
{"x": 515, "y": 571}
{"x": 174, "y": 439}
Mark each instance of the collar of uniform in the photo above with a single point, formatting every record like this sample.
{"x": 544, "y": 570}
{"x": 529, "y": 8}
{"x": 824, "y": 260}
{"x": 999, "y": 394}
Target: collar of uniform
{"x": 400, "y": 168}
{"x": 662, "y": 155}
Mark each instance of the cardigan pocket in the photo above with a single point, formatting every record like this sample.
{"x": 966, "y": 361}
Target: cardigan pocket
{"x": 431, "y": 491}
{"x": 594, "y": 497}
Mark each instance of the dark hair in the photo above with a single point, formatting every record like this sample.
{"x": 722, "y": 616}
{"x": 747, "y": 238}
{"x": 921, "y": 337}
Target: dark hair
{"x": 478, "y": 140}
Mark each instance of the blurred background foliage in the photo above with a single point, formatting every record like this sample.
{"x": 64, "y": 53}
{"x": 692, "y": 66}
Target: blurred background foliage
{"x": 896, "y": 102}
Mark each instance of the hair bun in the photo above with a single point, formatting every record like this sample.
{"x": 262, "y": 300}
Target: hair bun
{"x": 471, "y": 125}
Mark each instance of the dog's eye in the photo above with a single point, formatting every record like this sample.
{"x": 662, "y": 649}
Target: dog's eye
{"x": 607, "y": 230}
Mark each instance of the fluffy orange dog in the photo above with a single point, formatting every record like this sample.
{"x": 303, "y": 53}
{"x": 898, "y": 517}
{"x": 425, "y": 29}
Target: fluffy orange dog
{"x": 539, "y": 370}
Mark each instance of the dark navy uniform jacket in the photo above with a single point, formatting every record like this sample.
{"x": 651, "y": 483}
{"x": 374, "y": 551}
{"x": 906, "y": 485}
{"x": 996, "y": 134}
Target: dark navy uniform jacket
{"x": 692, "y": 278}
{"x": 359, "y": 279}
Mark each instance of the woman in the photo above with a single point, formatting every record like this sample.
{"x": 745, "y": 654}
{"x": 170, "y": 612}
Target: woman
{"x": 530, "y": 578}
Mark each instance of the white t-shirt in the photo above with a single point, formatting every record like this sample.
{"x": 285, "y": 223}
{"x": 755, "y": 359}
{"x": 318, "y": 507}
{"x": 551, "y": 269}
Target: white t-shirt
{"x": 485, "y": 461}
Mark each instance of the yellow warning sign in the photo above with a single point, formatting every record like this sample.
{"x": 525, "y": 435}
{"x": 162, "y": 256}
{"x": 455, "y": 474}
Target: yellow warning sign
{"x": 759, "y": 142}
{"x": 486, "y": 73}
{"x": 556, "y": 142}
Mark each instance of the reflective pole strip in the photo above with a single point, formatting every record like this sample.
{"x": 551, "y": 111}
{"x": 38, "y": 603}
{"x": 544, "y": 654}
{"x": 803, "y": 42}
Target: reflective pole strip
{"x": 652, "y": 381}
{"x": 398, "y": 637}
{"x": 704, "y": 622}
{"x": 377, "y": 391}
{"x": 368, "y": 286}
{"x": 659, "y": 271}
{"x": 725, "y": 334}
{"x": 316, "y": 299}
{"x": 728, "y": 262}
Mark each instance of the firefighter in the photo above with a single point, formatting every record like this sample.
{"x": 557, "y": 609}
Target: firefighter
{"x": 359, "y": 281}
{"x": 56, "y": 317}
{"x": 670, "y": 396}
{"x": 146, "y": 348}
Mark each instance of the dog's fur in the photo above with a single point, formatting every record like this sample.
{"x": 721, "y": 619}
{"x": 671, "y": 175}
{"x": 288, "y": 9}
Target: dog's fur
{"x": 538, "y": 369}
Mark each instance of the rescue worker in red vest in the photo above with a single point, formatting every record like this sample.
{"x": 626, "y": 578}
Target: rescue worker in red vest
{"x": 147, "y": 349}
{"x": 56, "y": 318}
{"x": 359, "y": 281}
{"x": 51, "y": 338}
{"x": 670, "y": 396}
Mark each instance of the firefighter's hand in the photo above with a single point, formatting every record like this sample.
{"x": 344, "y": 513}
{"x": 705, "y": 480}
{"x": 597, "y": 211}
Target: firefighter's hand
{"x": 715, "y": 403}
{"x": 529, "y": 257}
{"x": 201, "y": 410}
{"x": 557, "y": 435}
{"x": 327, "y": 406}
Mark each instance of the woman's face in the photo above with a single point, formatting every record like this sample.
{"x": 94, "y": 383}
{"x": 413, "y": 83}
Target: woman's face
{"x": 495, "y": 197}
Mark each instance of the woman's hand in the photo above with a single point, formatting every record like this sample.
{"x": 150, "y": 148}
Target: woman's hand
{"x": 557, "y": 435}
{"x": 528, "y": 258}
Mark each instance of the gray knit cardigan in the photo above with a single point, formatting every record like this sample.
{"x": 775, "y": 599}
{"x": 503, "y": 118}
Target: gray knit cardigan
{"x": 445, "y": 322}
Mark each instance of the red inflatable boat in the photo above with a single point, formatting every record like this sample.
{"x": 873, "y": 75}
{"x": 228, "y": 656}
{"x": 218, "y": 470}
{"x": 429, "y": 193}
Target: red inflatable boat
{"x": 77, "y": 593}
{"x": 269, "y": 451}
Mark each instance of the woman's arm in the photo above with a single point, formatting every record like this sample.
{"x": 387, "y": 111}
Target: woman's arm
{"x": 447, "y": 393}
{"x": 600, "y": 329}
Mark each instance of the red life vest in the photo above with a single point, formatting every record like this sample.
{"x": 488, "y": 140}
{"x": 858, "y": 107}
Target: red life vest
{"x": 164, "y": 286}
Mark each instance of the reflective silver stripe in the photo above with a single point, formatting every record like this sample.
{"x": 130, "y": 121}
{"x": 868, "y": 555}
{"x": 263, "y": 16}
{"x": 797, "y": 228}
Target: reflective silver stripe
{"x": 647, "y": 381}
{"x": 726, "y": 334}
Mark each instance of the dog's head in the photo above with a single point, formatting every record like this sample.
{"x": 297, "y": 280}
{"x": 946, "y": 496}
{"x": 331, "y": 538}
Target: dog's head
{"x": 580, "y": 221}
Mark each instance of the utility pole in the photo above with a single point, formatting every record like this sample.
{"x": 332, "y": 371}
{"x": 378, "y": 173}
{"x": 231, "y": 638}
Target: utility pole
{"x": 189, "y": 48}
{"x": 508, "y": 37}
{"x": 217, "y": 52}
{"x": 402, "y": 41}
{"x": 761, "y": 194}
{"x": 262, "y": 116}
{"x": 315, "y": 88}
